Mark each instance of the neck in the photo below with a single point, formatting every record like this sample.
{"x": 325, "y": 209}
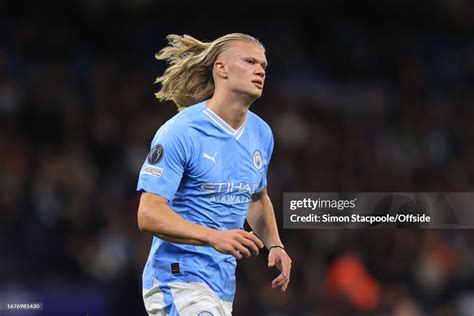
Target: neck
{"x": 232, "y": 109}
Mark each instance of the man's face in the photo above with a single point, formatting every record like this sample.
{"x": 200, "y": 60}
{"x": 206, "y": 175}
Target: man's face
{"x": 245, "y": 65}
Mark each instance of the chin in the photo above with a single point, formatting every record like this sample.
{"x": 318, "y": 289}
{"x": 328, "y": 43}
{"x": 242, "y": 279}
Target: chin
{"x": 256, "y": 93}
{"x": 252, "y": 94}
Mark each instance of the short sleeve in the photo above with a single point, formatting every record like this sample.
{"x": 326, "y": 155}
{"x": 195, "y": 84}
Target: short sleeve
{"x": 268, "y": 140}
{"x": 164, "y": 166}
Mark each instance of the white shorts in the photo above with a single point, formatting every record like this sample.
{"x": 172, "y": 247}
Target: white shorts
{"x": 189, "y": 299}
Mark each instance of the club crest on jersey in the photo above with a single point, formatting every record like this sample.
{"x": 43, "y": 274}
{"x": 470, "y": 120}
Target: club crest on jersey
{"x": 257, "y": 160}
{"x": 155, "y": 155}
{"x": 205, "y": 313}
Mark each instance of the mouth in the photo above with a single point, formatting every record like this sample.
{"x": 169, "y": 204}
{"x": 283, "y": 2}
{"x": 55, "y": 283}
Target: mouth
{"x": 258, "y": 83}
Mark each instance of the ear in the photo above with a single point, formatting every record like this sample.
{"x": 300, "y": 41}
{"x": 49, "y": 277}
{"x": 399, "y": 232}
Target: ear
{"x": 220, "y": 69}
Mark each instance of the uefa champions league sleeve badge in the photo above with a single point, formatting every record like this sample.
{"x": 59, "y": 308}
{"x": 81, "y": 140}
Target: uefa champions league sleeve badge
{"x": 155, "y": 155}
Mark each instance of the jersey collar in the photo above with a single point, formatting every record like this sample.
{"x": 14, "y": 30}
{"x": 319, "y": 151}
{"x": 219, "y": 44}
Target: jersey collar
{"x": 219, "y": 122}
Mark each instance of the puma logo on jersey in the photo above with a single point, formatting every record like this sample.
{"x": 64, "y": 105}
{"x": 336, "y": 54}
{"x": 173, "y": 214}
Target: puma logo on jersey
{"x": 207, "y": 156}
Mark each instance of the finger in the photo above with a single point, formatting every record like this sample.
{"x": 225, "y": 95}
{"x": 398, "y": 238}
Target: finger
{"x": 271, "y": 261}
{"x": 251, "y": 236}
{"x": 244, "y": 251}
{"x": 278, "y": 280}
{"x": 287, "y": 279}
{"x": 285, "y": 268}
{"x": 255, "y": 239}
{"x": 285, "y": 285}
{"x": 236, "y": 254}
{"x": 248, "y": 244}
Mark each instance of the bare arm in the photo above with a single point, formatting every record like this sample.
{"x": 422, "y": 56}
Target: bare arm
{"x": 261, "y": 217}
{"x": 156, "y": 217}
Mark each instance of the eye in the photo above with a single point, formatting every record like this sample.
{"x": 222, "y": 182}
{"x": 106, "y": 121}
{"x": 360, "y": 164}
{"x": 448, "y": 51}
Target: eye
{"x": 250, "y": 61}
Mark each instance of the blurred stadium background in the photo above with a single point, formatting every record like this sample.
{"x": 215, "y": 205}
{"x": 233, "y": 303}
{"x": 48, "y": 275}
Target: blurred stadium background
{"x": 361, "y": 96}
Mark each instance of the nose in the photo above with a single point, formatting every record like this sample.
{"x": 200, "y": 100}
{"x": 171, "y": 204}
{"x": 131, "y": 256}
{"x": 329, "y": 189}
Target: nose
{"x": 260, "y": 71}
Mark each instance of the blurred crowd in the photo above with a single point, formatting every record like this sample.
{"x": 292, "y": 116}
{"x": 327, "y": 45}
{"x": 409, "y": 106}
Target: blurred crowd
{"x": 370, "y": 97}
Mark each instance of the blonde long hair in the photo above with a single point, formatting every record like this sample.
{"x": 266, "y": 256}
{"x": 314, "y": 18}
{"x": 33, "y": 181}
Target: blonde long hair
{"x": 188, "y": 79}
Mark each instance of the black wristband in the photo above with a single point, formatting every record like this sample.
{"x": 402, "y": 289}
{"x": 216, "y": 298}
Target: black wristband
{"x": 282, "y": 247}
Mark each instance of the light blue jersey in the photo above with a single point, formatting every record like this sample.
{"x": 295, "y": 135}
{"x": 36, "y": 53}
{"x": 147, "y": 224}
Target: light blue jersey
{"x": 208, "y": 171}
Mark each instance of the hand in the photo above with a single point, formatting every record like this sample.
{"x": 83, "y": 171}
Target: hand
{"x": 236, "y": 242}
{"x": 279, "y": 258}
